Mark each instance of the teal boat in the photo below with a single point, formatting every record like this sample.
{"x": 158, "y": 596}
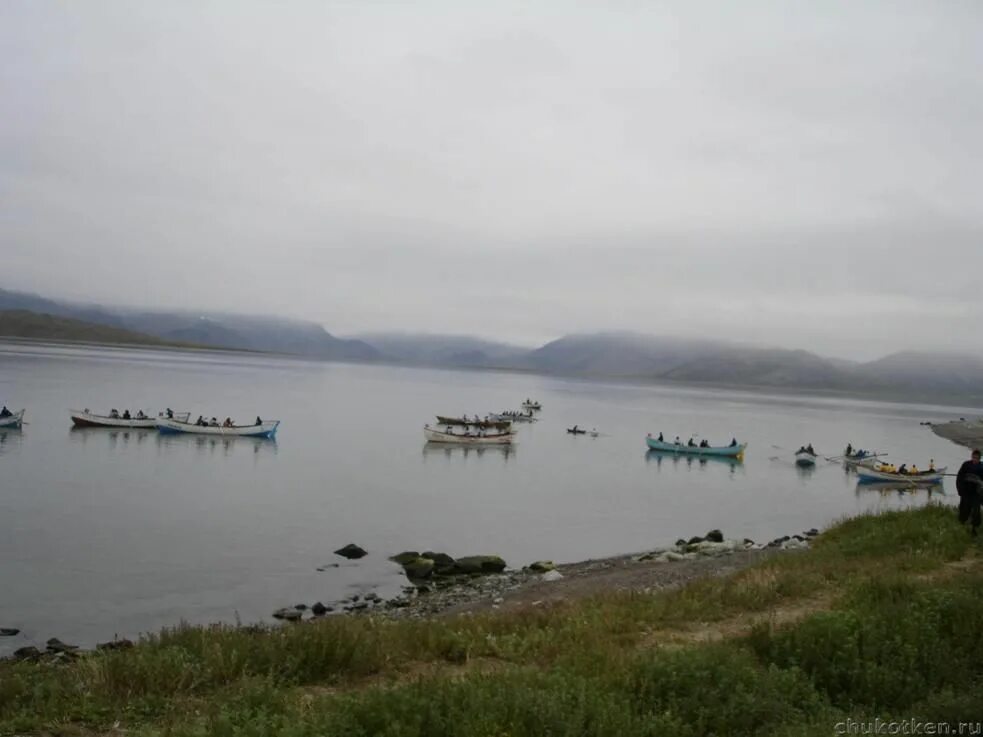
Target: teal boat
{"x": 725, "y": 451}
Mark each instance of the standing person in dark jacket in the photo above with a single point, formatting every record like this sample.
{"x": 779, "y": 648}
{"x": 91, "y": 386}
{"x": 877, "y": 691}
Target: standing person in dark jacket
{"x": 969, "y": 481}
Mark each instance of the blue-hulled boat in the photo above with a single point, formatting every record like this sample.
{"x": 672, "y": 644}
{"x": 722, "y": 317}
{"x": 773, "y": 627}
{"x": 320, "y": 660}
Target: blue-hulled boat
{"x": 262, "y": 430}
{"x": 724, "y": 451}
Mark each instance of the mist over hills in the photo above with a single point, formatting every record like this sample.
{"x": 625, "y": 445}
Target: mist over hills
{"x": 272, "y": 334}
{"x": 910, "y": 375}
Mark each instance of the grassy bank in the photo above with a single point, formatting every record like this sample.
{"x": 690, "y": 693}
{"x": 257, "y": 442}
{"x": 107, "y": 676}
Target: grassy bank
{"x": 882, "y": 617}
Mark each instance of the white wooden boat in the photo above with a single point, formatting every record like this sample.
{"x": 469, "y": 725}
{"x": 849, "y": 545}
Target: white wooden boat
{"x": 722, "y": 451}
{"x": 441, "y": 436}
{"x": 13, "y": 420}
{"x": 871, "y": 475}
{"x": 262, "y": 430}
{"x": 805, "y": 458}
{"x": 85, "y": 418}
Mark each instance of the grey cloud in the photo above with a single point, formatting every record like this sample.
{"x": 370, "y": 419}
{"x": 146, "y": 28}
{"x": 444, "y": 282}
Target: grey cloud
{"x": 780, "y": 172}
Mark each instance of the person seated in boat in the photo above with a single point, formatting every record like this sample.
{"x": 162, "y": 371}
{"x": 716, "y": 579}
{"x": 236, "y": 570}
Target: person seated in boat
{"x": 809, "y": 449}
{"x": 213, "y": 422}
{"x": 931, "y": 464}
{"x": 733, "y": 442}
{"x": 849, "y": 449}
{"x": 660, "y": 438}
{"x": 677, "y": 441}
{"x": 259, "y": 420}
{"x": 914, "y": 470}
{"x": 114, "y": 413}
{"x": 5, "y": 412}
{"x": 903, "y": 469}
{"x": 691, "y": 444}
{"x": 141, "y": 415}
{"x": 126, "y": 414}
{"x": 228, "y": 422}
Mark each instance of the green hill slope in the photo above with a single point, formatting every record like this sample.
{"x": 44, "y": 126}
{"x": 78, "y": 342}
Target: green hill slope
{"x": 41, "y": 326}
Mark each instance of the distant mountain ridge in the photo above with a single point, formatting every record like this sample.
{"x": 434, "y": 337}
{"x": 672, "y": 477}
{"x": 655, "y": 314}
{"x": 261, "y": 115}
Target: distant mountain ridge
{"x": 909, "y": 375}
{"x": 44, "y": 326}
{"x": 240, "y": 332}
{"x": 700, "y": 361}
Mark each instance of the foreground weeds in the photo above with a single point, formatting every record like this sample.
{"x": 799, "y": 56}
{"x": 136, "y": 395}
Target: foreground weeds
{"x": 886, "y": 629}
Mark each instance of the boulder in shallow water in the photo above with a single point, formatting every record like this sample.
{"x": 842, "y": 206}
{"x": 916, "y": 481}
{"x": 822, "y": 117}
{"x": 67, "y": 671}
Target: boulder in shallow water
{"x": 418, "y": 568}
{"x": 27, "y": 653}
{"x": 480, "y": 564}
{"x": 319, "y": 610}
{"x": 405, "y": 557}
{"x": 54, "y": 645}
{"x": 541, "y": 566}
{"x": 288, "y": 614}
{"x": 715, "y": 536}
{"x": 351, "y": 551}
{"x": 694, "y": 540}
{"x": 441, "y": 560}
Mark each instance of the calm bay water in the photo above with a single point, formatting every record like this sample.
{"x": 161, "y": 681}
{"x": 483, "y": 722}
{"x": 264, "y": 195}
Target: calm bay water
{"x": 105, "y": 531}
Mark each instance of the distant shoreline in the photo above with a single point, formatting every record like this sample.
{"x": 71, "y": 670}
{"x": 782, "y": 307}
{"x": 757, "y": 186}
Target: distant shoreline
{"x": 886, "y": 395}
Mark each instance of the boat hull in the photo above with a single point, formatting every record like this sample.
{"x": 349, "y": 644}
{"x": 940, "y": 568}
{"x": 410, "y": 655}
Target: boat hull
{"x": 14, "y": 420}
{"x": 437, "y": 436}
{"x": 926, "y": 478}
{"x": 803, "y": 458}
{"x": 728, "y": 451}
{"x": 264, "y": 430}
{"x": 88, "y": 419}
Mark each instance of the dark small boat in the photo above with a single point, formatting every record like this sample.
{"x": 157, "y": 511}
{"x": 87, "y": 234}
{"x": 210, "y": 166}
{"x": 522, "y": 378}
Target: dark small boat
{"x": 576, "y": 430}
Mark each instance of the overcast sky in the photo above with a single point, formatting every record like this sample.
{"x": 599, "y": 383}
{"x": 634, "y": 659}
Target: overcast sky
{"x": 805, "y": 174}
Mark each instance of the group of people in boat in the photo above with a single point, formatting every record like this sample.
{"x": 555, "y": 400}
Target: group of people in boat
{"x": 479, "y": 432}
{"x": 856, "y": 453}
{"x": 693, "y": 444}
{"x": 5, "y": 412}
{"x": 806, "y": 449}
{"x": 114, "y": 414}
{"x": 903, "y": 469}
{"x": 202, "y": 422}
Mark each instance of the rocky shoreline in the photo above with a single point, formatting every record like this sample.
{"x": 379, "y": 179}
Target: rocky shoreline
{"x": 439, "y": 585}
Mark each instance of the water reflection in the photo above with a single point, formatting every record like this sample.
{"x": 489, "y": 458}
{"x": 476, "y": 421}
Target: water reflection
{"x": 888, "y": 488}
{"x": 10, "y": 439}
{"x": 681, "y": 461}
{"x": 216, "y": 445}
{"x": 114, "y": 437}
{"x": 438, "y": 450}
{"x": 805, "y": 471}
